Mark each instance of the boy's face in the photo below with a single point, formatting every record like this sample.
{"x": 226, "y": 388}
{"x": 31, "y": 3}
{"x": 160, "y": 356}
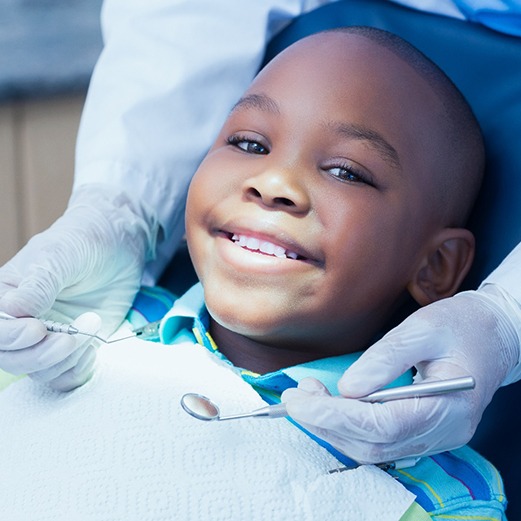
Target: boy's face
{"x": 309, "y": 214}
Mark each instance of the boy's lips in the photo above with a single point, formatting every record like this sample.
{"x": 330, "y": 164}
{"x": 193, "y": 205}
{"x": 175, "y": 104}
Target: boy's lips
{"x": 274, "y": 243}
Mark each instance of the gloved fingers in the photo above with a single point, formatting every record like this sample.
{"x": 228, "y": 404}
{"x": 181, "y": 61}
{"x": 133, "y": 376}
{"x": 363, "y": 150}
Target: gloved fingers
{"x": 34, "y": 295}
{"x": 79, "y": 371}
{"x": 387, "y": 422}
{"x": 306, "y": 387}
{"x": 51, "y": 350}
{"x": 9, "y": 278}
{"x": 368, "y": 453}
{"x": 113, "y": 305}
{"x": 46, "y": 353}
{"x": 88, "y": 322}
{"x": 439, "y": 370}
{"x": 446, "y": 435}
{"x": 399, "y": 350}
{"x": 20, "y": 333}
{"x": 313, "y": 386}
{"x": 31, "y": 280}
{"x": 78, "y": 374}
{"x": 372, "y": 433}
{"x": 49, "y": 374}
{"x": 72, "y": 379}
{"x": 78, "y": 368}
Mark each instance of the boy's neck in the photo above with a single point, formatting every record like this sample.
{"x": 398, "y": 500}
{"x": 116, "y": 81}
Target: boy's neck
{"x": 266, "y": 357}
{"x": 256, "y": 356}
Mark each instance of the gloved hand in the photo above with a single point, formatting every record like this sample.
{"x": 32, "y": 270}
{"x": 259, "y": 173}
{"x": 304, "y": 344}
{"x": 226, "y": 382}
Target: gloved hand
{"x": 92, "y": 258}
{"x": 67, "y": 361}
{"x": 474, "y": 333}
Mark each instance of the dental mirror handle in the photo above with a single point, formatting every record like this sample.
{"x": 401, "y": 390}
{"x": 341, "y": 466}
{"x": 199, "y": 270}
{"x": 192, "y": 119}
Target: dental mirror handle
{"x": 421, "y": 389}
{"x": 396, "y": 393}
{"x": 270, "y": 411}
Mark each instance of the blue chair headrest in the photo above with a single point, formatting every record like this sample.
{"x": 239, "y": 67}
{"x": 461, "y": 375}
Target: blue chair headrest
{"x": 486, "y": 67}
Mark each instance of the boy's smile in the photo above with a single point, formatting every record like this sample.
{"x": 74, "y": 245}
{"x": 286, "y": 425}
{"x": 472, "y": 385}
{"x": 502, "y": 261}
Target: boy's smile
{"x": 248, "y": 245}
{"x": 304, "y": 220}
{"x": 264, "y": 246}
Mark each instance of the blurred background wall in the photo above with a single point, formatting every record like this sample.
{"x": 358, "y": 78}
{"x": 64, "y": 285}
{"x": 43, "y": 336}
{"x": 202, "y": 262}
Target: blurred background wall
{"x": 48, "y": 49}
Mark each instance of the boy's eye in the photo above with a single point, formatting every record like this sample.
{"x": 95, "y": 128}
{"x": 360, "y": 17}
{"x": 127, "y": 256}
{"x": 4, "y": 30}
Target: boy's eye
{"x": 248, "y": 145}
{"x": 350, "y": 174}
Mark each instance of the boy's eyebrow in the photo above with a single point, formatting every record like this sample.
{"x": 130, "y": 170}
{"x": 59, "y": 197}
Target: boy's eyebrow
{"x": 376, "y": 140}
{"x": 258, "y": 101}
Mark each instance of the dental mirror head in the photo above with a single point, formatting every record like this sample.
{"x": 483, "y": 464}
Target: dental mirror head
{"x": 203, "y": 408}
{"x": 200, "y": 407}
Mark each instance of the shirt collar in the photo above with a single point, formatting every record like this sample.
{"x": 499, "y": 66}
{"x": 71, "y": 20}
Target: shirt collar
{"x": 189, "y": 317}
{"x": 182, "y": 315}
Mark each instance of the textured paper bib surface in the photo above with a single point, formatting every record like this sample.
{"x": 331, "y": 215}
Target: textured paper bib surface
{"x": 122, "y": 448}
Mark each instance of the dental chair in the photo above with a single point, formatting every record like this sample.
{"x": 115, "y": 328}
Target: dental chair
{"x": 486, "y": 66}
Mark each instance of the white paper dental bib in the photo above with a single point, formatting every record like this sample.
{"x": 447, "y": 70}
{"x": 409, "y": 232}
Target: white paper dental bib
{"x": 122, "y": 448}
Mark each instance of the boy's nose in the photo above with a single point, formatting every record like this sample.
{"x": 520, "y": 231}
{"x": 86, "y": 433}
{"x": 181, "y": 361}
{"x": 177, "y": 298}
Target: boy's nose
{"x": 278, "y": 189}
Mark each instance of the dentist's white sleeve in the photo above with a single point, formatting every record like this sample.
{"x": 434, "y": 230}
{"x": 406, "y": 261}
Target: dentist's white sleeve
{"x": 168, "y": 75}
{"x": 506, "y": 279}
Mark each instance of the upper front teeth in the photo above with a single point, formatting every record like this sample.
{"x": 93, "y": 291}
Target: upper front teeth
{"x": 252, "y": 243}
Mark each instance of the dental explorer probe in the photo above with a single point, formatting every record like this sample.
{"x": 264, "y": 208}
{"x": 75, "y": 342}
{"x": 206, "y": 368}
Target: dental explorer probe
{"x": 59, "y": 327}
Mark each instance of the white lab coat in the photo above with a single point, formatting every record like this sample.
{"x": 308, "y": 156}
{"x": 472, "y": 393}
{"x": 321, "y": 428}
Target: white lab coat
{"x": 168, "y": 75}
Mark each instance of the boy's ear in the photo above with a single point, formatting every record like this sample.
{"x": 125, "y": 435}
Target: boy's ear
{"x": 444, "y": 266}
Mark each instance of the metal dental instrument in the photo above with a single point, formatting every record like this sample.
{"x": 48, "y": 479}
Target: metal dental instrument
{"x": 203, "y": 408}
{"x": 463, "y": 383}
{"x": 56, "y": 327}
{"x": 404, "y": 463}
{"x": 148, "y": 332}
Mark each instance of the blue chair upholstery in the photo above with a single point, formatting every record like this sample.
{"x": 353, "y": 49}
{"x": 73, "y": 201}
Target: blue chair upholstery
{"x": 486, "y": 66}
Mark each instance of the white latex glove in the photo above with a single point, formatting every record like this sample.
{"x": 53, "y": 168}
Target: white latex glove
{"x": 472, "y": 333}
{"x": 65, "y": 362}
{"x": 92, "y": 258}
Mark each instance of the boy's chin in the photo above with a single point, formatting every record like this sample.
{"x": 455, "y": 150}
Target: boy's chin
{"x": 245, "y": 324}
{"x": 242, "y": 308}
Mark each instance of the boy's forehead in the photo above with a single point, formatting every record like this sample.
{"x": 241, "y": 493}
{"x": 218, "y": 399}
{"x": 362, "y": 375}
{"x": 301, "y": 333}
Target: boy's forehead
{"x": 337, "y": 53}
{"x": 343, "y": 66}
{"x": 351, "y": 68}
{"x": 352, "y": 72}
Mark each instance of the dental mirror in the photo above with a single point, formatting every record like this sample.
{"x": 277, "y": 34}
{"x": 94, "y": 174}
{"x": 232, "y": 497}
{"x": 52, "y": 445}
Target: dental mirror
{"x": 203, "y": 408}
